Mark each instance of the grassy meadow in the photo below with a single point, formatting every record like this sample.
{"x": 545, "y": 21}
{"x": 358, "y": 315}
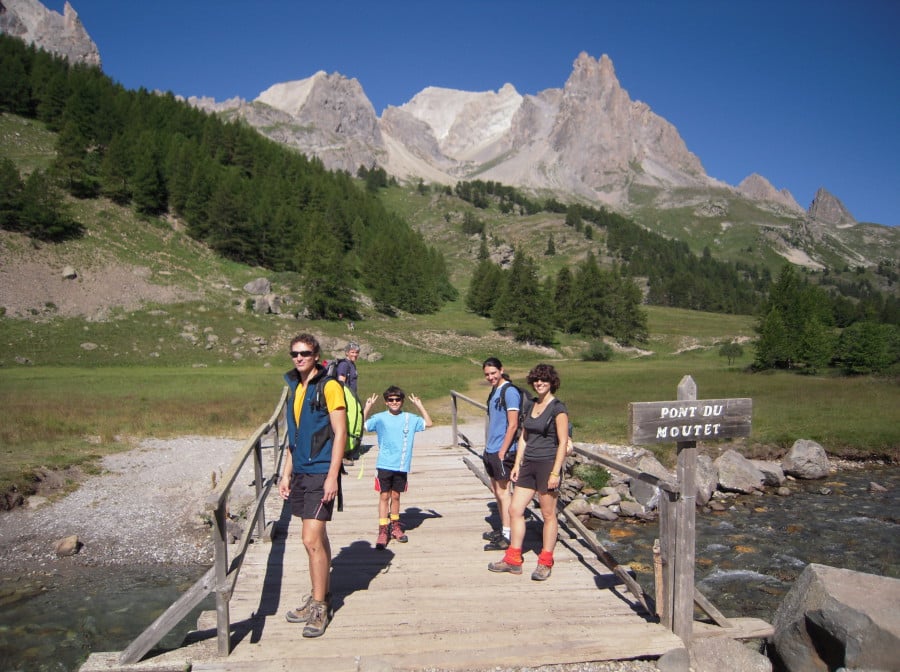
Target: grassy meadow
{"x": 56, "y": 416}
{"x": 75, "y": 388}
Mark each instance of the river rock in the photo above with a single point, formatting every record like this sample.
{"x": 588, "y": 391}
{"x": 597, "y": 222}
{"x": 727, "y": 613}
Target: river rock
{"x": 67, "y": 546}
{"x": 610, "y": 499}
{"x": 772, "y": 472}
{"x": 737, "y": 473}
{"x": 707, "y": 479}
{"x": 602, "y": 513}
{"x": 835, "y": 617}
{"x": 806, "y": 459}
{"x": 579, "y": 506}
{"x": 642, "y": 492}
{"x": 708, "y": 655}
{"x": 676, "y": 660}
{"x": 631, "y": 509}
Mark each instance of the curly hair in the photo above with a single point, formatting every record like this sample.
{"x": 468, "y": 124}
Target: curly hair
{"x": 544, "y": 372}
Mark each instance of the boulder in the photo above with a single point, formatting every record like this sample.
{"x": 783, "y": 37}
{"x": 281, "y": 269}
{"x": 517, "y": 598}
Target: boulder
{"x": 772, "y": 472}
{"x": 737, "y": 473}
{"x": 833, "y": 617}
{"x": 260, "y": 286}
{"x": 69, "y": 273}
{"x": 644, "y": 493}
{"x": 708, "y": 655}
{"x": 707, "y": 479}
{"x": 806, "y": 459}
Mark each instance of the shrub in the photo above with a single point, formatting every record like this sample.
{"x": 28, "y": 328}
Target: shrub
{"x": 600, "y": 351}
{"x": 593, "y": 475}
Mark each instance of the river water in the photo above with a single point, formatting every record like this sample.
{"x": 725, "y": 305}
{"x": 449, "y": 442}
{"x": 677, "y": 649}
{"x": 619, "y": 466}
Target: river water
{"x": 747, "y": 559}
{"x": 749, "y": 556}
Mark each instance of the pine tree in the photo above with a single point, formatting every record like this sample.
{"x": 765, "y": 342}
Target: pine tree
{"x": 11, "y": 186}
{"x": 522, "y": 306}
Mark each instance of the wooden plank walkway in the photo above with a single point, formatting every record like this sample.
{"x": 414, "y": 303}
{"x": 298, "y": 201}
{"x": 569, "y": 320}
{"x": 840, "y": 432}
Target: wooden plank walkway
{"x": 428, "y": 604}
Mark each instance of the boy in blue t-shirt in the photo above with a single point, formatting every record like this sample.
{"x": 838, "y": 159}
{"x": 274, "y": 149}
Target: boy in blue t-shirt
{"x": 395, "y": 429}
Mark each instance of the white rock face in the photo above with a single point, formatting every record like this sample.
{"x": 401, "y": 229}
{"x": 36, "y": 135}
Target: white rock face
{"x": 290, "y": 97}
{"x": 60, "y": 34}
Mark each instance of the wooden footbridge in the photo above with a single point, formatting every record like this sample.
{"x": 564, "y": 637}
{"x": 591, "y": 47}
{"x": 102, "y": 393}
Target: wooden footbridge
{"x": 428, "y": 604}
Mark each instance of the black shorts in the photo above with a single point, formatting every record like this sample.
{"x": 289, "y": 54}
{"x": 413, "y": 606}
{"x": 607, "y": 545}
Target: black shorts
{"x": 307, "y": 491}
{"x": 534, "y": 475}
{"x": 496, "y": 469}
{"x": 391, "y": 481}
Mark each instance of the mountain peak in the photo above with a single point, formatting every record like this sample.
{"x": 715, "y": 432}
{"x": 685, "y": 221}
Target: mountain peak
{"x": 60, "y": 34}
{"x": 757, "y": 188}
{"x": 828, "y": 209}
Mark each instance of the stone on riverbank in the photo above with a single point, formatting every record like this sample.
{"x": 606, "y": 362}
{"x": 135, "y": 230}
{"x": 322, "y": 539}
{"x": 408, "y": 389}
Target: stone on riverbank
{"x": 737, "y": 473}
{"x": 835, "y": 617}
{"x": 806, "y": 459}
{"x": 67, "y": 546}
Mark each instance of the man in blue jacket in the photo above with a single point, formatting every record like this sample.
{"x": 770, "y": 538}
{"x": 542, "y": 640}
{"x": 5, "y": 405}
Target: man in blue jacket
{"x": 317, "y": 434}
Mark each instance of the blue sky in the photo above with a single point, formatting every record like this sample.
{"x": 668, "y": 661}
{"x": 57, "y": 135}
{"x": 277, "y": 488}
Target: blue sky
{"x": 803, "y": 92}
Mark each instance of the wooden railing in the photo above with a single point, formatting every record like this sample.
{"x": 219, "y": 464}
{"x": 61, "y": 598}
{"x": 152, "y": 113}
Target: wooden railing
{"x": 222, "y": 576}
{"x": 664, "y": 605}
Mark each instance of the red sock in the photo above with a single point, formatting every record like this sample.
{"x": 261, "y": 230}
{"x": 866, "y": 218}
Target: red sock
{"x": 546, "y": 558}
{"x": 513, "y": 556}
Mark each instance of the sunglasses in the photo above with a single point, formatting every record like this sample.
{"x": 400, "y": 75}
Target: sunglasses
{"x": 389, "y": 399}
{"x": 301, "y": 353}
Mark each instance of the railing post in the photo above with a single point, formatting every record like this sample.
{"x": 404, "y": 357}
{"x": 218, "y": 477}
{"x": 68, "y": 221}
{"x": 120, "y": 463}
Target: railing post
{"x": 220, "y": 542}
{"x": 258, "y": 480}
{"x": 683, "y": 607}
{"x": 453, "y": 415}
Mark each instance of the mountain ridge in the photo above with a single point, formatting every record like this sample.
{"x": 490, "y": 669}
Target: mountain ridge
{"x": 586, "y": 141}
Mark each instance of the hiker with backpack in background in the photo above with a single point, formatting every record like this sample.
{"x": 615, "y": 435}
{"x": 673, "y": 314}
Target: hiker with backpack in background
{"x": 317, "y": 434}
{"x": 540, "y": 459}
{"x": 343, "y": 369}
{"x": 504, "y": 405}
{"x": 346, "y": 367}
{"x": 396, "y": 429}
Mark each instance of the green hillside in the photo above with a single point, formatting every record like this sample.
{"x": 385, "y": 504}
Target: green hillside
{"x": 176, "y": 348}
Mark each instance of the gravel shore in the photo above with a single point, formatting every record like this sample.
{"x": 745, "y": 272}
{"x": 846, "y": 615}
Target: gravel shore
{"x": 147, "y": 507}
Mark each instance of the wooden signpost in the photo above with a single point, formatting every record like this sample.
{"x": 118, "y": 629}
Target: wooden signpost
{"x": 685, "y": 421}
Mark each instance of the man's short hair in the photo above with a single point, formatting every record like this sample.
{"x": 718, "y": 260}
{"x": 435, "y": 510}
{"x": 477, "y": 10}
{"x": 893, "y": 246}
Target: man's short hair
{"x": 351, "y": 346}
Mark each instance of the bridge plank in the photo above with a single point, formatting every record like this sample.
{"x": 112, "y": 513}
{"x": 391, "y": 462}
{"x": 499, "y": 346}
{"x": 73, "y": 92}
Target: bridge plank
{"x": 430, "y": 603}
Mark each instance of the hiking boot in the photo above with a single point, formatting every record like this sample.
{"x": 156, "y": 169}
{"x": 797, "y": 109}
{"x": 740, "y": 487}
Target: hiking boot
{"x": 491, "y": 535}
{"x": 319, "y": 616}
{"x": 397, "y": 532}
{"x": 382, "y": 540}
{"x": 504, "y": 566}
{"x": 498, "y": 543}
{"x": 541, "y": 573}
{"x": 301, "y": 613}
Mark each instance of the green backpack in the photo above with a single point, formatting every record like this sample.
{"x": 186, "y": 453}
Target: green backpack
{"x": 351, "y": 403}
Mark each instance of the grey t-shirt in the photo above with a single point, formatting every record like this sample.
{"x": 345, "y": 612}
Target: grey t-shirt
{"x": 541, "y": 440}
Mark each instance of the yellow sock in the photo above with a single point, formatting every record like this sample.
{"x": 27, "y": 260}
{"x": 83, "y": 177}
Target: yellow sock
{"x": 395, "y": 516}
{"x": 383, "y": 521}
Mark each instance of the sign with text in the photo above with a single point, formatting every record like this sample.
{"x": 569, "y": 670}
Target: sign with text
{"x": 696, "y": 420}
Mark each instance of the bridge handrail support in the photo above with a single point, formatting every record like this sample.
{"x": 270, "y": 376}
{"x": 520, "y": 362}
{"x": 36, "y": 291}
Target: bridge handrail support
{"x": 221, "y": 578}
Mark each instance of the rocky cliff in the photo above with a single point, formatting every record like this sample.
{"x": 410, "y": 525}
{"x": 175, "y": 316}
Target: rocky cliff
{"x": 61, "y": 34}
{"x": 828, "y": 209}
{"x": 587, "y": 139}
